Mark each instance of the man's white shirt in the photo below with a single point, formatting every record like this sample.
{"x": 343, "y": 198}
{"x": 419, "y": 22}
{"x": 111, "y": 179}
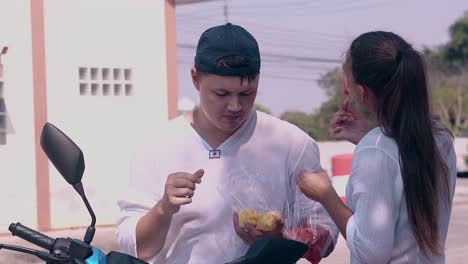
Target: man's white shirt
{"x": 264, "y": 152}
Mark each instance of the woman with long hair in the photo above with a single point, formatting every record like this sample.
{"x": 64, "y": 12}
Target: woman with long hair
{"x": 400, "y": 191}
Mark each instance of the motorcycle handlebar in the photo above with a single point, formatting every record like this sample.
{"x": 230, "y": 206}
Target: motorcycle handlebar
{"x": 32, "y": 236}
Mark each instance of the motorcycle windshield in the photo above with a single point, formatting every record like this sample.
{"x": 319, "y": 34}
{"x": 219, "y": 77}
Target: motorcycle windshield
{"x": 98, "y": 257}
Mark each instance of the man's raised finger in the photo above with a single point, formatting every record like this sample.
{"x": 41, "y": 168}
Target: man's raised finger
{"x": 198, "y": 175}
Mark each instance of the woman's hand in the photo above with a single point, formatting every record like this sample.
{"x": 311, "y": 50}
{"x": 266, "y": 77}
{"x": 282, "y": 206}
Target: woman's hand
{"x": 348, "y": 124}
{"x": 315, "y": 185}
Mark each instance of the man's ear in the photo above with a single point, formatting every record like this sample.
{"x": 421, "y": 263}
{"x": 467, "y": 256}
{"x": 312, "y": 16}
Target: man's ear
{"x": 195, "y": 78}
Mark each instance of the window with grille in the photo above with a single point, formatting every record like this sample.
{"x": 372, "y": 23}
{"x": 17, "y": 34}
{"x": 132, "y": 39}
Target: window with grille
{"x": 99, "y": 81}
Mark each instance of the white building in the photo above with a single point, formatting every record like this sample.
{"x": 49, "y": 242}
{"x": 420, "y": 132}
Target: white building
{"x": 101, "y": 71}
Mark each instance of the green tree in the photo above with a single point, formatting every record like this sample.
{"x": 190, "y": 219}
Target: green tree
{"x": 331, "y": 82}
{"x": 316, "y": 124}
{"x": 301, "y": 120}
{"x": 450, "y": 95}
{"x": 456, "y": 51}
{"x": 448, "y": 77}
{"x": 262, "y": 108}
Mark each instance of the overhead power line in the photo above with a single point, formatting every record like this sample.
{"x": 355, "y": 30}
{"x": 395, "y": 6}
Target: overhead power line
{"x": 318, "y": 11}
{"x": 281, "y": 56}
{"x": 266, "y": 28}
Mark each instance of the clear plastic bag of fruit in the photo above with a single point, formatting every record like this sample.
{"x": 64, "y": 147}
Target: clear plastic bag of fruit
{"x": 250, "y": 193}
{"x": 260, "y": 200}
{"x": 247, "y": 193}
{"x": 308, "y": 222}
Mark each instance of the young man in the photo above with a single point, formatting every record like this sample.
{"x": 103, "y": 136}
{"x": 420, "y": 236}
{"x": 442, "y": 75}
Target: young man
{"x": 183, "y": 179}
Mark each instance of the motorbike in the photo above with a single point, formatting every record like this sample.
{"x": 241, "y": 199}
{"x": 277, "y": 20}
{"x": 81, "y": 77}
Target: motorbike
{"x": 68, "y": 159}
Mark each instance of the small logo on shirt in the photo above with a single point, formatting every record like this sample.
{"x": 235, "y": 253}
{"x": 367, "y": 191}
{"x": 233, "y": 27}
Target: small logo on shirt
{"x": 215, "y": 154}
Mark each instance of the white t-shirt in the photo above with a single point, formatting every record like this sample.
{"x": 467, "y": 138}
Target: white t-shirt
{"x": 379, "y": 231}
{"x": 257, "y": 165}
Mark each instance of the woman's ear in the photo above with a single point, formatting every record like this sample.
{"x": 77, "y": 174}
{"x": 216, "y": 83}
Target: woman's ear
{"x": 195, "y": 78}
{"x": 363, "y": 94}
{"x": 344, "y": 87}
{"x": 366, "y": 97}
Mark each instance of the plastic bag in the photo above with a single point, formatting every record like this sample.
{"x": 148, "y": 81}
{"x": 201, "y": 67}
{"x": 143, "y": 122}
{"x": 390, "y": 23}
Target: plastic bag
{"x": 250, "y": 194}
{"x": 246, "y": 192}
{"x": 257, "y": 199}
{"x": 308, "y": 222}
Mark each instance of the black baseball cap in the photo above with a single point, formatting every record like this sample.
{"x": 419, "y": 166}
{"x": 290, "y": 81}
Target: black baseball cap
{"x": 223, "y": 41}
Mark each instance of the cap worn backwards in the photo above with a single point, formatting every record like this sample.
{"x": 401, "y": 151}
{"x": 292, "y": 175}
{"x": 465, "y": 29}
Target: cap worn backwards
{"x": 224, "y": 41}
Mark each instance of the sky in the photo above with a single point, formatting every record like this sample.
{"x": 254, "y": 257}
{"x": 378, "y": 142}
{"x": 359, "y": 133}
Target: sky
{"x": 296, "y": 35}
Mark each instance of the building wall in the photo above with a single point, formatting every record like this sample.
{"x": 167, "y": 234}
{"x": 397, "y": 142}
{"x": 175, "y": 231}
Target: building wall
{"x": 17, "y": 157}
{"x": 101, "y": 37}
{"x": 461, "y": 149}
{"x": 328, "y": 149}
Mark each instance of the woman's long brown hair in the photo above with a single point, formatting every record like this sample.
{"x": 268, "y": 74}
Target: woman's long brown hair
{"x": 396, "y": 74}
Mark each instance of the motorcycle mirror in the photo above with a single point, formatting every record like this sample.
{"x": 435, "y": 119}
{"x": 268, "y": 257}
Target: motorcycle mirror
{"x": 68, "y": 159}
{"x": 64, "y": 154}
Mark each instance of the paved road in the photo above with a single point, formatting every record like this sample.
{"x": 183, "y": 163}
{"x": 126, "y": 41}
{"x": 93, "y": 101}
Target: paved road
{"x": 456, "y": 246}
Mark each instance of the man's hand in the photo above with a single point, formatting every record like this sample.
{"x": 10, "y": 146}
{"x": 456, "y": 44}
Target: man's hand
{"x": 179, "y": 190}
{"x": 250, "y": 234}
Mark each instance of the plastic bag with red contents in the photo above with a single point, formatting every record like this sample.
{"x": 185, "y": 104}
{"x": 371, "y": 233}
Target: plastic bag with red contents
{"x": 308, "y": 222}
{"x": 253, "y": 193}
{"x": 317, "y": 237}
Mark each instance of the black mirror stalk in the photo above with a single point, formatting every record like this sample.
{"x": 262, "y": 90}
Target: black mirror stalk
{"x": 91, "y": 229}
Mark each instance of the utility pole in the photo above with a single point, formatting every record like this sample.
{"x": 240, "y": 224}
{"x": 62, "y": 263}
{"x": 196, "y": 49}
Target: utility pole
{"x": 226, "y": 11}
